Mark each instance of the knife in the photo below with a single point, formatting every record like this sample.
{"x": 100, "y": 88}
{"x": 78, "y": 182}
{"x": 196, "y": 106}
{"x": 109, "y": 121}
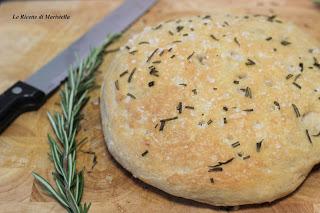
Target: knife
{"x": 31, "y": 94}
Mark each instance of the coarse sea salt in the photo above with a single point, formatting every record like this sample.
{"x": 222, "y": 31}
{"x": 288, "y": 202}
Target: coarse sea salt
{"x": 211, "y": 80}
{"x": 258, "y": 125}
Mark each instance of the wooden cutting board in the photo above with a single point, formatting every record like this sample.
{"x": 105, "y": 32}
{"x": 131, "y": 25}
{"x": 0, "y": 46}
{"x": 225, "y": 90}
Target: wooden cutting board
{"x": 25, "y": 45}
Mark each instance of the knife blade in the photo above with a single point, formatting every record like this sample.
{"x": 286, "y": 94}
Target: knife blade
{"x": 30, "y": 95}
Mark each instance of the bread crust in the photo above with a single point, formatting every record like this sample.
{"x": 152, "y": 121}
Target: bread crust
{"x": 221, "y": 109}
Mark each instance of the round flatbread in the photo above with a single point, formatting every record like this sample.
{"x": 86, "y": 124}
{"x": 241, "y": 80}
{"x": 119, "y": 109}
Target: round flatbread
{"x": 221, "y": 109}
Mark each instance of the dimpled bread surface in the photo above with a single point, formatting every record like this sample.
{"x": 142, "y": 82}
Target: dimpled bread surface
{"x": 221, "y": 109}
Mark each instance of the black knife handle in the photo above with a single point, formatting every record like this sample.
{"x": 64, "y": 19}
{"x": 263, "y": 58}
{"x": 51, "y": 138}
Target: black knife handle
{"x": 19, "y": 98}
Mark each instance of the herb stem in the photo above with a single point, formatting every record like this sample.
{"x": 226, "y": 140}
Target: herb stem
{"x": 65, "y": 124}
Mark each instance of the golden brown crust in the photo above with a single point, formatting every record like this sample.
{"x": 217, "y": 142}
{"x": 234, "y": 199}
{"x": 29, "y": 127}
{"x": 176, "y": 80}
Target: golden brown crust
{"x": 220, "y": 109}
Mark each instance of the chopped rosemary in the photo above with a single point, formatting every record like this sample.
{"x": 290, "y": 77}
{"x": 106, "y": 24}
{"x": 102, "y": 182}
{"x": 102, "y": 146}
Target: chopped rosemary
{"x": 308, "y": 136}
{"x": 177, "y": 41}
{"x": 269, "y": 38}
{"x": 271, "y": 18}
{"x": 157, "y": 27}
{"x": 207, "y": 17}
{"x": 161, "y": 53}
{"x": 211, "y": 180}
{"x": 225, "y": 108}
{"x": 220, "y": 163}
{"x": 163, "y": 122}
{"x": 296, "y": 110}
{"x": 236, "y": 144}
{"x": 250, "y": 62}
{"x": 297, "y": 85}
{"x": 285, "y": 43}
{"x": 144, "y": 153}
{"x": 156, "y": 62}
{"x": 131, "y": 74}
{"x": 201, "y": 123}
{"x": 248, "y": 110}
{"x": 151, "y": 84}
{"x": 131, "y": 96}
{"x": 236, "y": 41}
{"x": 289, "y": 76}
{"x": 179, "y": 28}
{"x": 316, "y": 62}
{"x": 246, "y": 157}
{"x": 200, "y": 59}
{"x": 183, "y": 84}
{"x": 153, "y": 71}
{"x": 297, "y": 76}
{"x": 214, "y": 38}
{"x": 195, "y": 91}
{"x": 277, "y": 104}
{"x": 248, "y": 92}
{"x": 189, "y": 107}
{"x": 216, "y": 169}
{"x": 209, "y": 122}
{"x": 133, "y": 52}
{"x": 179, "y": 107}
{"x": 171, "y": 33}
{"x": 150, "y": 57}
{"x": 111, "y": 51}
{"x": 236, "y": 82}
{"x": 190, "y": 56}
{"x": 116, "y": 83}
{"x": 316, "y": 135}
{"x": 124, "y": 73}
{"x": 301, "y": 67}
{"x": 258, "y": 145}
{"x": 173, "y": 56}
{"x": 143, "y": 42}
{"x": 225, "y": 120}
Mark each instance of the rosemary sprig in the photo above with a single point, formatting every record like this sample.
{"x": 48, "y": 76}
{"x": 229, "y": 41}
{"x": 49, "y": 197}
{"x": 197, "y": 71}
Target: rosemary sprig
{"x": 69, "y": 183}
{"x": 317, "y": 1}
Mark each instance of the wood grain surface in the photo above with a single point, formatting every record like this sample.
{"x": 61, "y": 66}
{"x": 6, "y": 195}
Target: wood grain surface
{"x": 26, "y": 45}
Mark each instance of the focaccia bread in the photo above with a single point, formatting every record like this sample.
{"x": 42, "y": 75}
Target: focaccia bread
{"x": 221, "y": 109}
